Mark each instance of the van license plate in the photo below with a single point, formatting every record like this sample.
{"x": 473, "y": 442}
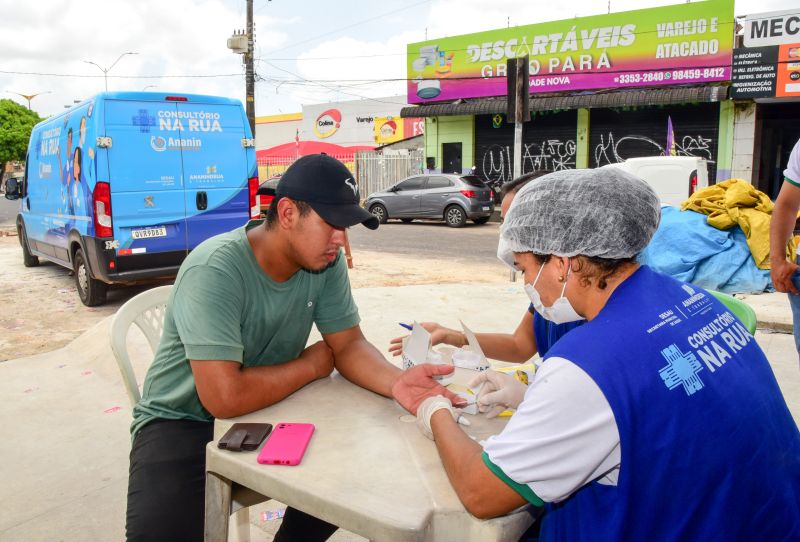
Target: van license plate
{"x": 486, "y": 208}
{"x": 147, "y": 233}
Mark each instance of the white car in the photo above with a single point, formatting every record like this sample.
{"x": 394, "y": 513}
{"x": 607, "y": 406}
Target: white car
{"x": 674, "y": 178}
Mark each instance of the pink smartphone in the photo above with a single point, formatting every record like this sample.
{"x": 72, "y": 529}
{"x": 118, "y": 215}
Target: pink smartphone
{"x": 286, "y": 444}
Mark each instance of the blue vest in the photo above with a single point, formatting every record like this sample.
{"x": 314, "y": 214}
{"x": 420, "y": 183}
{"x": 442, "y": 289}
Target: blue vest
{"x": 709, "y": 448}
{"x": 547, "y": 333}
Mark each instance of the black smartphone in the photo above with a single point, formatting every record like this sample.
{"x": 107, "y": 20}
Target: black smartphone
{"x": 244, "y": 436}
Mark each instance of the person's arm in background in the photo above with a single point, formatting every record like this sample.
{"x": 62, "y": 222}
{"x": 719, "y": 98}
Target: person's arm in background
{"x": 518, "y": 347}
{"x": 782, "y": 224}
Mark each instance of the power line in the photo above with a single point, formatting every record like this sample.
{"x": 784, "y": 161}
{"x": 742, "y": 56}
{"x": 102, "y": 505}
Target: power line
{"x": 323, "y": 82}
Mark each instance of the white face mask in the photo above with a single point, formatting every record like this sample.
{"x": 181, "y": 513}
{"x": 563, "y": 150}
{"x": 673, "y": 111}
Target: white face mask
{"x": 505, "y": 254}
{"x": 561, "y": 312}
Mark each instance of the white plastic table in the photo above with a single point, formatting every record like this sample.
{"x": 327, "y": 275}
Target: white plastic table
{"x": 367, "y": 469}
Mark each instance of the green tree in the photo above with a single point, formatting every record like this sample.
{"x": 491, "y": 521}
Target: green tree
{"x": 16, "y": 123}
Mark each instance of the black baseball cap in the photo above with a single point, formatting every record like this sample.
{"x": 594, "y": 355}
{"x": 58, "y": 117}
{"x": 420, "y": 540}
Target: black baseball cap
{"x": 328, "y": 187}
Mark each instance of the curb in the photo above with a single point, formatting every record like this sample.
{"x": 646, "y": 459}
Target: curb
{"x": 777, "y": 327}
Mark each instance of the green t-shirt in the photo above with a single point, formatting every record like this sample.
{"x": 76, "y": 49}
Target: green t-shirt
{"x": 224, "y": 307}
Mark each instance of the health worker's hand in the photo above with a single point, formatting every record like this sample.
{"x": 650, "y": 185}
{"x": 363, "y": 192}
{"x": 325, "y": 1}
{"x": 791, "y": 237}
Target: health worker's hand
{"x": 499, "y": 392}
{"x": 417, "y": 384}
{"x": 781, "y": 272}
{"x": 319, "y": 358}
{"x": 439, "y": 335}
{"x": 426, "y": 410}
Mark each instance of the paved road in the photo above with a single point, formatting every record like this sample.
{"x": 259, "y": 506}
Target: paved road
{"x": 8, "y": 212}
{"x": 429, "y": 239}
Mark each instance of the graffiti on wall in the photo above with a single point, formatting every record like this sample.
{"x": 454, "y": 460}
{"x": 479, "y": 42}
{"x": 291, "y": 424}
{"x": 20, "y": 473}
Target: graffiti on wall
{"x": 497, "y": 162}
{"x": 613, "y": 149}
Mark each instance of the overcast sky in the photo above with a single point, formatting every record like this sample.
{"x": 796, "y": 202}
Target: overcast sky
{"x": 308, "y": 51}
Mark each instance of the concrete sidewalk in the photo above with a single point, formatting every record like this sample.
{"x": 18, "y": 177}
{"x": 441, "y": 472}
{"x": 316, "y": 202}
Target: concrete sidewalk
{"x": 64, "y": 420}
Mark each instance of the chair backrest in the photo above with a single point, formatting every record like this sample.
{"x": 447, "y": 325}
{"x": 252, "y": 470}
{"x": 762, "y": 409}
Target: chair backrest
{"x": 146, "y": 310}
{"x": 739, "y": 308}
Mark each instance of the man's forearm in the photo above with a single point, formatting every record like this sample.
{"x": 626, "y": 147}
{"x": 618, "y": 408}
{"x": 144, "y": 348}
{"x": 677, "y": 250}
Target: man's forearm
{"x": 228, "y": 390}
{"x": 781, "y": 228}
{"x": 362, "y": 364}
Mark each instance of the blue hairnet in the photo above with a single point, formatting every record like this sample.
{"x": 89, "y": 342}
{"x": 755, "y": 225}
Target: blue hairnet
{"x": 607, "y": 213}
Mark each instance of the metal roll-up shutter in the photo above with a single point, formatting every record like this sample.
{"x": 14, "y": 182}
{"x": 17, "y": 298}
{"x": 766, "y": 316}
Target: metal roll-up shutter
{"x": 619, "y": 134}
{"x": 548, "y": 144}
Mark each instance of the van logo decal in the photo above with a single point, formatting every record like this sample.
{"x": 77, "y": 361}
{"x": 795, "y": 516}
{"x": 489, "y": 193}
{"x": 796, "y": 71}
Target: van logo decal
{"x": 111, "y": 245}
{"x": 148, "y": 201}
{"x": 144, "y": 121}
{"x": 158, "y": 143}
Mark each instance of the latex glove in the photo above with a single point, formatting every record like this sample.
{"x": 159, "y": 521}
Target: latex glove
{"x": 427, "y": 408}
{"x": 500, "y": 391}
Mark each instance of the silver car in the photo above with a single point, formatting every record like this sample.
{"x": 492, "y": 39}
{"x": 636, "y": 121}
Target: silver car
{"x": 452, "y": 198}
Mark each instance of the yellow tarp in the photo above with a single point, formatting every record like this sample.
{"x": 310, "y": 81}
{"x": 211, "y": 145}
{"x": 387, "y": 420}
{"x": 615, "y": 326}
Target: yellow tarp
{"x": 737, "y": 203}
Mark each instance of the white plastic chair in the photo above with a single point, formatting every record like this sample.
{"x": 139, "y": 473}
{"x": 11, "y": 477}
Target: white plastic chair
{"x": 147, "y": 310}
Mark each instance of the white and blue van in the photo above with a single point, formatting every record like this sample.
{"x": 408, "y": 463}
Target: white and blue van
{"x": 120, "y": 187}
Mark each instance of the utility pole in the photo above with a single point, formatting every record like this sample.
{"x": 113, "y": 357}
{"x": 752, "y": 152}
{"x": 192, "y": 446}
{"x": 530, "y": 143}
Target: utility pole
{"x": 250, "y": 75}
{"x": 106, "y": 70}
{"x": 518, "y": 109}
{"x": 243, "y": 43}
{"x": 518, "y": 103}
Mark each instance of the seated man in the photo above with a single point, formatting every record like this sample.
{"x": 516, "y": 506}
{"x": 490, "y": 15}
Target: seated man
{"x": 235, "y": 333}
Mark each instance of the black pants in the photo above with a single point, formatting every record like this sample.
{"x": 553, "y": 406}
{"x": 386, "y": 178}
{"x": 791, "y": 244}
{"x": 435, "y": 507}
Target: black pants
{"x": 167, "y": 483}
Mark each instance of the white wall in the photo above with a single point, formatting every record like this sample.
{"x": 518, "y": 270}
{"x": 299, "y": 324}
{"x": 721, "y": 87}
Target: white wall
{"x": 744, "y": 127}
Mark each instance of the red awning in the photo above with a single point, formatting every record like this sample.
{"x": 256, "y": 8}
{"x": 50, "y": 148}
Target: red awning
{"x": 290, "y": 151}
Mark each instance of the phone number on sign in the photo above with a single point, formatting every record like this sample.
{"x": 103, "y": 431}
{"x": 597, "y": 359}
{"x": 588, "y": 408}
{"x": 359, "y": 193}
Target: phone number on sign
{"x": 697, "y": 73}
{"x": 646, "y": 77}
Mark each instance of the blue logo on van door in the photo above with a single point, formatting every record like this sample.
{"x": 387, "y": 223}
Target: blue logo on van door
{"x": 144, "y": 121}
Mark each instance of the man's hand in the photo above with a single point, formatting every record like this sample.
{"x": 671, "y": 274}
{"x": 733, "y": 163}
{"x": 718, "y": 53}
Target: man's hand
{"x": 417, "y": 384}
{"x": 781, "y": 272}
{"x": 319, "y": 357}
{"x": 439, "y": 335}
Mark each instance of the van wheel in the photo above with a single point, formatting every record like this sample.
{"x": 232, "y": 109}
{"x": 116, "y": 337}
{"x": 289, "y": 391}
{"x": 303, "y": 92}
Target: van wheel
{"x": 91, "y": 291}
{"x": 28, "y": 259}
{"x": 455, "y": 216}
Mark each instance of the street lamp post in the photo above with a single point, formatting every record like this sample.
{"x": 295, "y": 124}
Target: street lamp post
{"x": 106, "y": 70}
{"x": 29, "y": 97}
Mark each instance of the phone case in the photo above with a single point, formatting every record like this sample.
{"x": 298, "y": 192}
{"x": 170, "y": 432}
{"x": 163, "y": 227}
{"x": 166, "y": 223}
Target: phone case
{"x": 287, "y": 444}
{"x": 244, "y": 436}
